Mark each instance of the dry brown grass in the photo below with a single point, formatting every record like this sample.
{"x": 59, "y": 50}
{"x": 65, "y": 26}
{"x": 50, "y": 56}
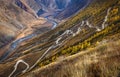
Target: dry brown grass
{"x": 101, "y": 61}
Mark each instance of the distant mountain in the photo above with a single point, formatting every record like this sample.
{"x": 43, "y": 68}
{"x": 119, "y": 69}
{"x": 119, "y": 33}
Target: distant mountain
{"x": 59, "y": 9}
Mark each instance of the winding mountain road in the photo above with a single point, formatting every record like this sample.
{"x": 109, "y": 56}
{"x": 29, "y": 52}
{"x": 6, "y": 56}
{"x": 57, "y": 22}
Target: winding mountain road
{"x": 17, "y": 42}
{"x": 58, "y": 42}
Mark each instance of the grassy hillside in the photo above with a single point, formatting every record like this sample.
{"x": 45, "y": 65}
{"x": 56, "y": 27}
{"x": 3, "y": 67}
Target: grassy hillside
{"x": 87, "y": 42}
{"x": 99, "y": 61}
{"x": 94, "y": 10}
{"x": 89, "y": 36}
{"x": 91, "y": 52}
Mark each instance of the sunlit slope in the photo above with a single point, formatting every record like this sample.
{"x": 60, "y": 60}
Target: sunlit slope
{"x": 95, "y": 18}
{"x": 13, "y": 21}
{"x": 99, "y": 21}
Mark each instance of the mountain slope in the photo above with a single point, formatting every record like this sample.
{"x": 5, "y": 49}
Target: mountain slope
{"x": 99, "y": 21}
{"x": 102, "y": 60}
{"x": 13, "y": 20}
{"x": 61, "y": 9}
{"x": 54, "y": 8}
